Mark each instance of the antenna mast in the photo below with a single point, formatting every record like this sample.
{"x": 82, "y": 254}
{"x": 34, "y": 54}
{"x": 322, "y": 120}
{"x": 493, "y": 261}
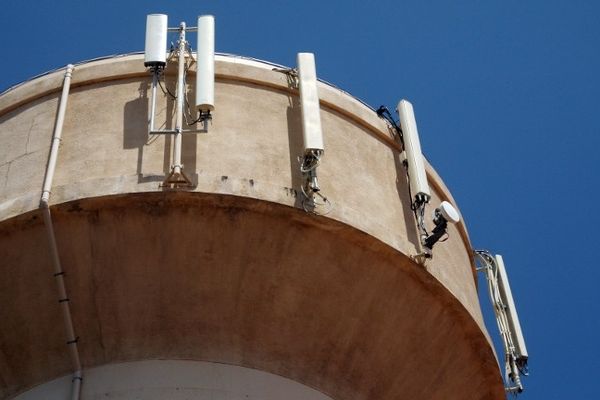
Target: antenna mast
{"x": 155, "y": 59}
{"x": 177, "y": 178}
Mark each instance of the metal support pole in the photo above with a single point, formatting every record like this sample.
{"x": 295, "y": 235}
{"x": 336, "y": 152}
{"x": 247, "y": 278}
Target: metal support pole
{"x": 177, "y": 178}
{"x": 177, "y": 167}
{"x": 153, "y": 101}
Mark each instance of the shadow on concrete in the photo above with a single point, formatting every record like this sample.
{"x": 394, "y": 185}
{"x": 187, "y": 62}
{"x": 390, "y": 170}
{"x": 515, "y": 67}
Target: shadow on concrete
{"x": 189, "y": 142}
{"x": 136, "y": 119}
{"x": 402, "y": 183}
{"x": 294, "y": 123}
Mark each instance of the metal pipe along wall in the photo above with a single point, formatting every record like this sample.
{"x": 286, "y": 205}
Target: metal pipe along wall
{"x": 63, "y": 299}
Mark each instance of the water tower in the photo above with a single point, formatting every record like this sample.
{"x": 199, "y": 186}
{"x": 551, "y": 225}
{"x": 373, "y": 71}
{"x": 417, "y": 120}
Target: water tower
{"x": 187, "y": 225}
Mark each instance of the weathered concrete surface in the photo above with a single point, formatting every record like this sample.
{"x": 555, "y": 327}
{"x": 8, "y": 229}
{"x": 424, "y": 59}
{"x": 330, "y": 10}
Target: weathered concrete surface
{"x": 255, "y": 137}
{"x": 250, "y": 157}
{"x": 238, "y": 281}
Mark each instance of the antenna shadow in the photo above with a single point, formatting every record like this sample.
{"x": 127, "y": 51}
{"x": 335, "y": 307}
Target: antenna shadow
{"x": 136, "y": 117}
{"x": 295, "y": 141}
{"x": 402, "y": 187}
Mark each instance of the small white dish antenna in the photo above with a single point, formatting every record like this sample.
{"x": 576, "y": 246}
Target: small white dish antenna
{"x": 449, "y": 212}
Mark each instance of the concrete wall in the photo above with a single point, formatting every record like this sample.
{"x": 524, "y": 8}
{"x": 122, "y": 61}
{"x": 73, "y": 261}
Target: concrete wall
{"x": 249, "y": 153}
{"x": 255, "y": 135}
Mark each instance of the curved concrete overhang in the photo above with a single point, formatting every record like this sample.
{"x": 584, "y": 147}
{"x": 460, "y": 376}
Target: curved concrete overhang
{"x": 236, "y": 281}
{"x": 399, "y": 313}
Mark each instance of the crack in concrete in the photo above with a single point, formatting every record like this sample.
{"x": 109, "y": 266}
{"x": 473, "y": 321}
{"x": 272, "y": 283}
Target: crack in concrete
{"x": 18, "y": 158}
{"x": 6, "y": 174}
{"x": 94, "y": 285}
{"x": 29, "y": 135}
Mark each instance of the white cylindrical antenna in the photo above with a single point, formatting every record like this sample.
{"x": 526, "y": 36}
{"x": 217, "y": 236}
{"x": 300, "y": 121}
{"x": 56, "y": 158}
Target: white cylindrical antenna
{"x": 511, "y": 310}
{"x": 414, "y": 157}
{"x": 205, "y": 69}
{"x": 156, "y": 40}
{"x": 309, "y": 103}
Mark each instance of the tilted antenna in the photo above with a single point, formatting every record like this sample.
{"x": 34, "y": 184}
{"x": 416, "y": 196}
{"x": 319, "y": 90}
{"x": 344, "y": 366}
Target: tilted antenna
{"x": 414, "y": 157}
{"x": 418, "y": 187}
{"x": 515, "y": 351}
{"x": 205, "y": 66}
{"x": 417, "y": 177}
{"x": 312, "y": 132}
{"x": 511, "y": 313}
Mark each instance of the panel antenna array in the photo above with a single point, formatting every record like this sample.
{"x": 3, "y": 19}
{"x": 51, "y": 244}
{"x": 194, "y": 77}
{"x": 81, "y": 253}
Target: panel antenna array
{"x": 156, "y": 59}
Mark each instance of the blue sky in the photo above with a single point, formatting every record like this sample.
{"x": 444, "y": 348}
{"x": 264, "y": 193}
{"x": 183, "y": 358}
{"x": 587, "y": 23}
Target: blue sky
{"x": 505, "y": 95}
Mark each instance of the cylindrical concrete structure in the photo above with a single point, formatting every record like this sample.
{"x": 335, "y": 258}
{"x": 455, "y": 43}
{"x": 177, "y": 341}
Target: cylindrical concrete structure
{"x": 231, "y": 278}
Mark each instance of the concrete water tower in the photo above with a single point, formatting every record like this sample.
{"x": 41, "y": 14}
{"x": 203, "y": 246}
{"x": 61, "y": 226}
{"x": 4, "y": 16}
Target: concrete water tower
{"x": 206, "y": 264}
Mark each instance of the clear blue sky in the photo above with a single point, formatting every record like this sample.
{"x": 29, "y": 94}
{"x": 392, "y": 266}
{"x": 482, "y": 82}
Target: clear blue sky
{"x": 507, "y": 98}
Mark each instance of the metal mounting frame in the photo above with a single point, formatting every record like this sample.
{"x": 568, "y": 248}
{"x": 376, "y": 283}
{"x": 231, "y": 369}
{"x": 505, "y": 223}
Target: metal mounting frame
{"x": 515, "y": 353}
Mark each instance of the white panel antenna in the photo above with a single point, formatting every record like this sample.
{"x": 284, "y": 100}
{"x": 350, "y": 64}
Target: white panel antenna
{"x": 313, "y": 200}
{"x": 205, "y": 70}
{"x": 513, "y": 318}
{"x": 156, "y": 40}
{"x": 309, "y": 101}
{"x": 414, "y": 157}
{"x": 515, "y": 352}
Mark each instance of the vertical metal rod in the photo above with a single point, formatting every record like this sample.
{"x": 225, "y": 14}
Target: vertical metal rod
{"x": 180, "y": 99}
{"x": 153, "y": 101}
